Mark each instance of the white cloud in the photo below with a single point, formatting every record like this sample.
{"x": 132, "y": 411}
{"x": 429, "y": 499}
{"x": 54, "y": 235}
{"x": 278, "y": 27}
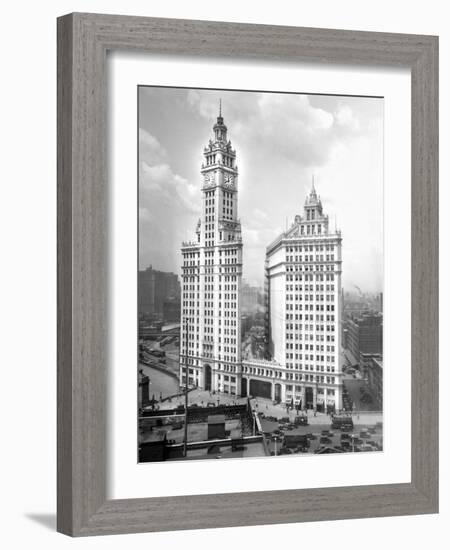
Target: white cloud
{"x": 300, "y": 130}
{"x": 150, "y": 150}
{"x": 168, "y": 206}
{"x": 345, "y": 117}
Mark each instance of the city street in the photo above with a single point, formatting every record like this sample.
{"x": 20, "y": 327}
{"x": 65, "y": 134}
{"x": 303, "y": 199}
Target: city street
{"x": 354, "y": 386}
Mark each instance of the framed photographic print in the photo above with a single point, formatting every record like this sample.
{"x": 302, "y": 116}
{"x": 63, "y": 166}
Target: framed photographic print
{"x": 247, "y": 274}
{"x": 242, "y": 278}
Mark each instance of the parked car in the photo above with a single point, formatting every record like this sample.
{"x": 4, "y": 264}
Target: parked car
{"x": 301, "y": 421}
{"x": 341, "y": 422}
{"x": 365, "y": 447}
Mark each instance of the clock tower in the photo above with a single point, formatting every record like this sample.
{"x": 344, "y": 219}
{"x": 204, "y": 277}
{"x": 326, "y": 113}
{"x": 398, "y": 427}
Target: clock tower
{"x": 220, "y": 178}
{"x": 210, "y": 343}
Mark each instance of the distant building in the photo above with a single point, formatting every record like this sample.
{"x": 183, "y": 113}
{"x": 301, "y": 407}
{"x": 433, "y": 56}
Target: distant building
{"x": 365, "y": 362}
{"x": 251, "y": 298}
{"x": 154, "y": 289}
{"x": 380, "y": 302}
{"x": 365, "y": 334}
{"x": 172, "y": 309}
{"x": 344, "y": 335}
{"x": 143, "y": 395}
{"x": 246, "y": 324}
{"x": 375, "y": 379}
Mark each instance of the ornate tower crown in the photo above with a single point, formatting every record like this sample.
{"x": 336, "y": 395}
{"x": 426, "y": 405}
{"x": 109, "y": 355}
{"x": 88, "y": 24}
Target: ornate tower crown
{"x": 220, "y": 130}
{"x": 312, "y": 202}
{"x": 219, "y": 166}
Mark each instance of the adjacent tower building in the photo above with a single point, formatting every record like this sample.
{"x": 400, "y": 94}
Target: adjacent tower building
{"x": 303, "y": 270}
{"x": 210, "y": 343}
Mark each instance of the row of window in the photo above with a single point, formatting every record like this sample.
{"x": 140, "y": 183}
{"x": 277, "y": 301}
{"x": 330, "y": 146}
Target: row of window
{"x": 298, "y": 389}
{"x": 195, "y": 361}
{"x": 227, "y": 161}
{"x": 310, "y": 277}
{"x": 319, "y": 318}
{"x": 311, "y": 248}
{"x": 306, "y": 336}
{"x": 208, "y": 287}
{"x": 309, "y": 357}
{"x": 310, "y": 298}
{"x": 329, "y": 328}
{"x": 306, "y": 367}
{"x": 310, "y": 288}
{"x": 296, "y": 326}
{"x": 303, "y": 267}
{"x": 210, "y": 159}
{"x": 271, "y": 373}
{"x": 227, "y": 200}
{"x": 319, "y": 347}
{"x": 310, "y": 258}
{"x": 312, "y": 378}
{"x": 298, "y": 307}
{"x": 189, "y": 255}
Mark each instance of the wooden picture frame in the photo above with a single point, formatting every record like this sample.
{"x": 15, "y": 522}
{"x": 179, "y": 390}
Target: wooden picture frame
{"x": 83, "y": 41}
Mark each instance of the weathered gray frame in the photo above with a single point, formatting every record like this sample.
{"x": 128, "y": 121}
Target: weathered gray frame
{"x": 83, "y": 40}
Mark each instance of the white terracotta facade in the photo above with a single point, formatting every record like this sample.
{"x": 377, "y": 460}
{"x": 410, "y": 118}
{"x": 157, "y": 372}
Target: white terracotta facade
{"x": 303, "y": 289}
{"x": 210, "y": 344}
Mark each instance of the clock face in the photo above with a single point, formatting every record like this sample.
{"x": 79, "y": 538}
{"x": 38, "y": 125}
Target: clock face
{"x": 228, "y": 179}
{"x": 209, "y": 179}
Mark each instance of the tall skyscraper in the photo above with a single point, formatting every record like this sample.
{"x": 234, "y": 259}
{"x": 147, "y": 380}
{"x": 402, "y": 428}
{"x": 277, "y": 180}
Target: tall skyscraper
{"x": 210, "y": 344}
{"x": 303, "y": 270}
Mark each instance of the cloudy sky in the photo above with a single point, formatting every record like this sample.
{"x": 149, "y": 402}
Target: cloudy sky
{"x": 281, "y": 140}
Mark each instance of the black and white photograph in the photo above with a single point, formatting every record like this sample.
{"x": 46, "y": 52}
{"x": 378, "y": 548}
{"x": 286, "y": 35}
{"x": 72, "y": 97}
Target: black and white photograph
{"x": 260, "y": 276}
{"x": 222, "y": 257}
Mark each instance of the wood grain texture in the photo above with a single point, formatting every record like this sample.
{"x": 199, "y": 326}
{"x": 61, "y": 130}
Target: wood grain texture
{"x": 83, "y": 40}
{"x": 425, "y": 272}
{"x": 64, "y": 277}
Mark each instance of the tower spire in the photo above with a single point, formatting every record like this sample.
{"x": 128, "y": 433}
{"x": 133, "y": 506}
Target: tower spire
{"x": 220, "y": 129}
